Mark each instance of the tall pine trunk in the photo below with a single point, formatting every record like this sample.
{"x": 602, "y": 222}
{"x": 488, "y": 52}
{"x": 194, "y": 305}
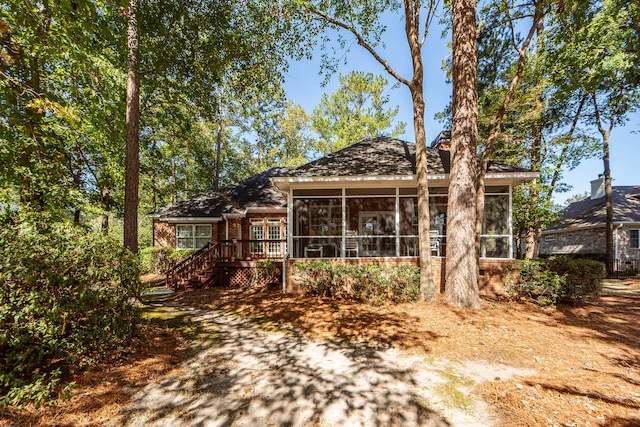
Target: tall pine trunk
{"x": 461, "y": 273}
{"x": 132, "y": 161}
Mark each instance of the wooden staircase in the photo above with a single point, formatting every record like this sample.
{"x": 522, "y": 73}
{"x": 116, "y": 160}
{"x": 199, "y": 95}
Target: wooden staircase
{"x": 224, "y": 263}
{"x": 196, "y": 271}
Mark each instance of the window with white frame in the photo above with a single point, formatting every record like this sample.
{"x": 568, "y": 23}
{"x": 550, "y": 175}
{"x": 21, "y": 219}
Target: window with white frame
{"x": 273, "y": 231}
{"x": 194, "y": 236}
{"x": 634, "y": 239}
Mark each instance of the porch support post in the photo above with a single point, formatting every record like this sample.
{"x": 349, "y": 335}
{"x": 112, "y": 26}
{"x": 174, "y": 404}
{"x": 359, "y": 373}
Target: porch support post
{"x": 343, "y": 240}
{"x": 289, "y": 248}
{"x": 397, "y": 222}
{"x": 510, "y": 222}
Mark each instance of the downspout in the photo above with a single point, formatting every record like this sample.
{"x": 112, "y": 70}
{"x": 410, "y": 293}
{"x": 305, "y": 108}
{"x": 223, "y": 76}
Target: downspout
{"x": 615, "y": 239}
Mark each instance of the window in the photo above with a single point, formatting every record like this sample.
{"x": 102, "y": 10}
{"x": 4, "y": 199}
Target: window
{"x": 273, "y": 230}
{"x": 192, "y": 236}
{"x": 634, "y": 239}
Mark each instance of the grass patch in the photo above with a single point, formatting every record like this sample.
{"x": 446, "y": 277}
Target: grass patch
{"x": 179, "y": 321}
{"x": 450, "y": 391}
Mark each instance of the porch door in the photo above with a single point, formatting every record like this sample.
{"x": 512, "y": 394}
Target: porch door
{"x": 374, "y": 225}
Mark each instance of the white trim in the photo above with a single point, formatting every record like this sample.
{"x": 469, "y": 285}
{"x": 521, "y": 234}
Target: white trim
{"x": 510, "y": 176}
{"x": 510, "y": 221}
{"x": 191, "y": 220}
{"x": 265, "y": 210}
{"x": 193, "y": 236}
{"x": 587, "y": 227}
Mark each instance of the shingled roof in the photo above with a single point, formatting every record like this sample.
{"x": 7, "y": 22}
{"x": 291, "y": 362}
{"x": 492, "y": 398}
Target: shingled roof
{"x": 255, "y": 191}
{"x": 383, "y": 156}
{"x": 380, "y": 156}
{"x": 591, "y": 213}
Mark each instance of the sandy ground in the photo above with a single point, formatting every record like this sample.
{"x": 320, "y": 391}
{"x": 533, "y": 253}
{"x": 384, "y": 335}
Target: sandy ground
{"x": 253, "y": 375}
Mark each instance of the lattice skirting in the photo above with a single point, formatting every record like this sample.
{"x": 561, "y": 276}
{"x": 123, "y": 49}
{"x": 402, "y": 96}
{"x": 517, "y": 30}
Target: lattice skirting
{"x": 247, "y": 276}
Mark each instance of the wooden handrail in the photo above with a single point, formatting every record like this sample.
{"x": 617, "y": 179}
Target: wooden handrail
{"x": 224, "y": 251}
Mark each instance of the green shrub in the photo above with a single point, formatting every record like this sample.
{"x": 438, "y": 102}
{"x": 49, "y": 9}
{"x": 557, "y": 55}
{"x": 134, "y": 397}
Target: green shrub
{"x": 583, "y": 277}
{"x": 532, "y": 280}
{"x": 65, "y": 302}
{"x": 557, "y": 279}
{"x": 156, "y": 259}
{"x": 373, "y": 283}
{"x": 180, "y": 255}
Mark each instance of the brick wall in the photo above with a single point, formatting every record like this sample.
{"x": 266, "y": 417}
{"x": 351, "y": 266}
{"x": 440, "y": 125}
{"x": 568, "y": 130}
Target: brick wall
{"x": 590, "y": 241}
{"x": 164, "y": 234}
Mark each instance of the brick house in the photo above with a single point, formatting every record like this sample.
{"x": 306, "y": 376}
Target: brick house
{"x": 355, "y": 205}
{"x": 581, "y": 227}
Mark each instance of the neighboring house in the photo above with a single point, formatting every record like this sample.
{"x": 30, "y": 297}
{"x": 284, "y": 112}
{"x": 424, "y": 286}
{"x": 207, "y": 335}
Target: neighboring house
{"x": 358, "y": 204}
{"x": 581, "y": 227}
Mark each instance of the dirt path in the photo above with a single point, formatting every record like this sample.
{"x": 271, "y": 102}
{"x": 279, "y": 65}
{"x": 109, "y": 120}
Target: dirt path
{"x": 249, "y": 375}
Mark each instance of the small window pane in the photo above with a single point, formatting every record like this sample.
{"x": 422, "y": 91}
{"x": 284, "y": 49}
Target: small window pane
{"x": 203, "y": 230}
{"x": 501, "y": 189}
{"x": 370, "y": 191}
{"x": 634, "y": 239}
{"x": 184, "y": 243}
{"x": 201, "y": 241}
{"x": 318, "y": 192}
{"x": 412, "y": 191}
{"x": 184, "y": 230}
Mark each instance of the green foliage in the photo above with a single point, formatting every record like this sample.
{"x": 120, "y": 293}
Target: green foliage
{"x": 374, "y": 284}
{"x": 65, "y": 302}
{"x": 532, "y": 280}
{"x": 547, "y": 282}
{"x": 354, "y": 112}
{"x": 583, "y": 277}
{"x": 154, "y": 259}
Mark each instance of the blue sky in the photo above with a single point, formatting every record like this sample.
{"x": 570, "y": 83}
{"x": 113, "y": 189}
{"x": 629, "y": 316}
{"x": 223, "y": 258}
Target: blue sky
{"x": 303, "y": 85}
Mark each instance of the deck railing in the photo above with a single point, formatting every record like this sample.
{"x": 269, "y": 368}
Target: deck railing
{"x": 223, "y": 251}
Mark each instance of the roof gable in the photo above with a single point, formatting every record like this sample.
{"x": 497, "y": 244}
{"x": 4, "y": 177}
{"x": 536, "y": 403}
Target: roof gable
{"x": 591, "y": 212}
{"x": 255, "y": 191}
{"x": 379, "y": 156}
{"x": 383, "y": 156}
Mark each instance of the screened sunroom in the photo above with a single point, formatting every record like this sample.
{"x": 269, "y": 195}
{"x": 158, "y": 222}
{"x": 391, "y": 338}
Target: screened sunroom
{"x": 352, "y": 222}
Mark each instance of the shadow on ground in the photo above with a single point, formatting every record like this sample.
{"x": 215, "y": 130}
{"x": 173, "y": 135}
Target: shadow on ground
{"x": 256, "y": 376}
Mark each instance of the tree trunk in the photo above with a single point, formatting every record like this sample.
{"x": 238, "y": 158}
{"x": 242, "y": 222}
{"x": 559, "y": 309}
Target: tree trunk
{"x": 461, "y": 272}
{"x": 132, "y": 162}
{"x": 608, "y": 193}
{"x": 534, "y": 233}
{"x": 104, "y": 203}
{"x": 427, "y": 287}
{"x": 216, "y": 178}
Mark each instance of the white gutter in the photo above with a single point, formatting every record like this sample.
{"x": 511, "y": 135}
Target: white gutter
{"x": 174, "y": 220}
{"x": 586, "y": 227}
{"x": 264, "y": 209}
{"x": 365, "y": 178}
